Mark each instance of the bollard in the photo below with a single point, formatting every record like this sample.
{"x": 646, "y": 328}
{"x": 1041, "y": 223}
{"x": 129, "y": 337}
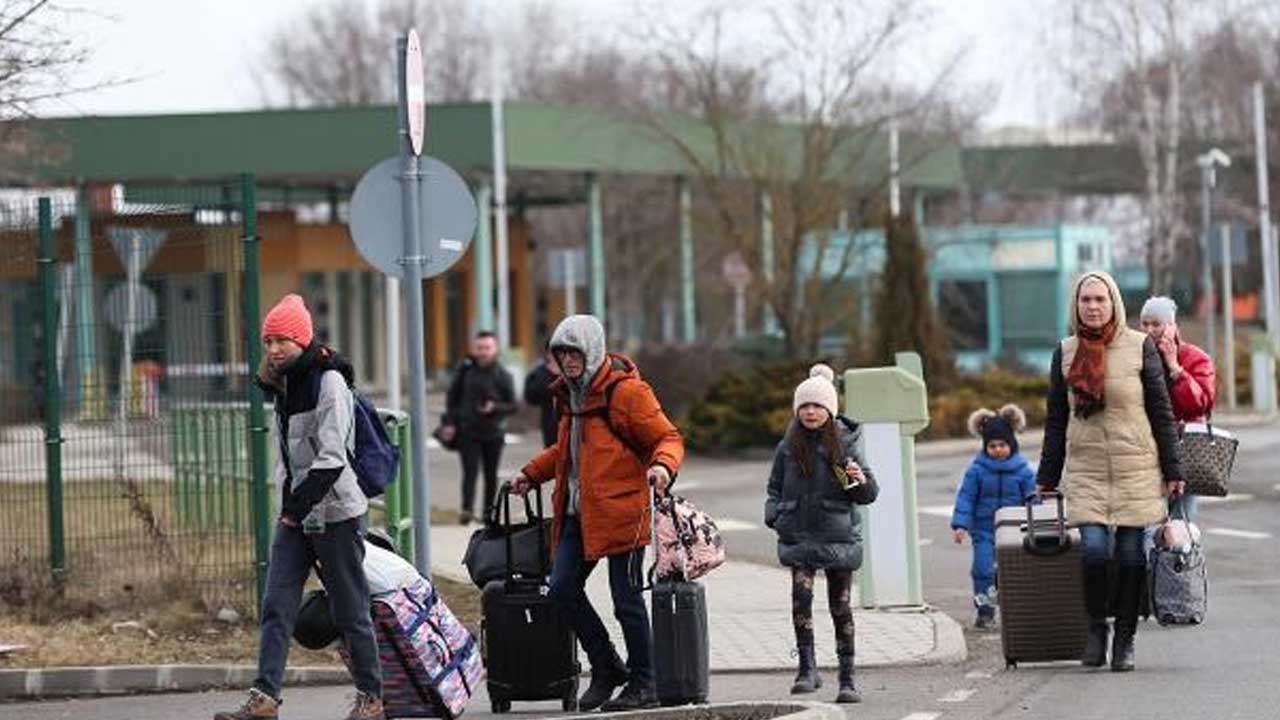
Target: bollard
{"x": 891, "y": 405}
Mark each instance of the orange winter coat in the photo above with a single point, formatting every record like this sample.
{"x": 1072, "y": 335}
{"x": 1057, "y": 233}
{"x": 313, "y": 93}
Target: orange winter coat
{"x": 613, "y": 491}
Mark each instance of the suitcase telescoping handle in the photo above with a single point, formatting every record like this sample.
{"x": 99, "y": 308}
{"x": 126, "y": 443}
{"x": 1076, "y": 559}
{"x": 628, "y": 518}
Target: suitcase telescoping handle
{"x": 1060, "y": 540}
{"x": 534, "y": 513}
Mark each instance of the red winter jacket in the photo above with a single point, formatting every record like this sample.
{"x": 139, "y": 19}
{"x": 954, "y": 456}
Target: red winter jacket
{"x": 1193, "y": 391}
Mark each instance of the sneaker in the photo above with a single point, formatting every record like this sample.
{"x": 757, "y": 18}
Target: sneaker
{"x": 986, "y": 619}
{"x": 259, "y": 706}
{"x": 366, "y": 707}
{"x": 464, "y": 518}
{"x": 635, "y": 696}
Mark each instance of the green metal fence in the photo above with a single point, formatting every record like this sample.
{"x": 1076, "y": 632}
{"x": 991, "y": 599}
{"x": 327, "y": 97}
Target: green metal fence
{"x": 126, "y": 477}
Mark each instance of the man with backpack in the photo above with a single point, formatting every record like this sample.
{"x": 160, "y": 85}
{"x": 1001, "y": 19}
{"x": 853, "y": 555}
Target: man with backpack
{"x": 321, "y": 510}
{"x": 479, "y": 400}
{"x": 614, "y": 441}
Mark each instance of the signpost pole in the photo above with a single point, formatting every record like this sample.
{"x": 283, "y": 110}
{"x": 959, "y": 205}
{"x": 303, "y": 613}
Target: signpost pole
{"x": 413, "y": 261}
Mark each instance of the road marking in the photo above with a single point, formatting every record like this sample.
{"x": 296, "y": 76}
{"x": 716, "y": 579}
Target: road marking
{"x": 958, "y": 696}
{"x": 925, "y": 542}
{"x": 731, "y": 525}
{"x": 923, "y": 716}
{"x": 1242, "y": 534}
{"x": 1234, "y": 497}
{"x": 943, "y": 511}
{"x": 686, "y": 485}
{"x": 977, "y": 675}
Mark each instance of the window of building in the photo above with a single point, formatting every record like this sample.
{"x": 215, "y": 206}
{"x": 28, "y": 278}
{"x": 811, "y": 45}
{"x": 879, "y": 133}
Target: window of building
{"x": 962, "y": 305}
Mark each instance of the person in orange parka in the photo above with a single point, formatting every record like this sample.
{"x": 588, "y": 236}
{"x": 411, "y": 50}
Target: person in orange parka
{"x": 613, "y": 441}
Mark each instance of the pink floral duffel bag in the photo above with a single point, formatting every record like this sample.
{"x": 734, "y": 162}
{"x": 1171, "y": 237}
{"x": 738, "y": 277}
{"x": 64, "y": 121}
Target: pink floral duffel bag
{"x": 688, "y": 543}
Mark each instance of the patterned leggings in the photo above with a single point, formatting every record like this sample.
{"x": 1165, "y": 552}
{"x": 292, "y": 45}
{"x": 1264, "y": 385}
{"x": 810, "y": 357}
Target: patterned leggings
{"x": 839, "y": 588}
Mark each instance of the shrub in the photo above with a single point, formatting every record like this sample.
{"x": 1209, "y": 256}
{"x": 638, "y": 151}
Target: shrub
{"x": 745, "y": 408}
{"x": 949, "y": 411}
{"x": 681, "y": 374}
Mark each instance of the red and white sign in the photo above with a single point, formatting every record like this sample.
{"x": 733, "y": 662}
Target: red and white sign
{"x": 415, "y": 92}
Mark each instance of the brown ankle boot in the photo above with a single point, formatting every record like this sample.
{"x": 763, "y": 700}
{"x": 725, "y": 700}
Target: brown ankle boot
{"x": 258, "y": 706}
{"x": 366, "y": 707}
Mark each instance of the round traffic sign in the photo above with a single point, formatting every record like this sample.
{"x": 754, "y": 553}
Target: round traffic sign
{"x": 116, "y": 308}
{"x": 377, "y": 220}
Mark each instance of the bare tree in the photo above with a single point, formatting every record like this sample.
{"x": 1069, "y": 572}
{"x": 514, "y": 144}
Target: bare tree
{"x": 799, "y": 117}
{"x": 1133, "y": 67}
{"x": 37, "y": 58}
{"x": 339, "y": 53}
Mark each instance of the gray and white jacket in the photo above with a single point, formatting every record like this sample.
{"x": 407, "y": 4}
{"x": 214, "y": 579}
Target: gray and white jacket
{"x": 315, "y": 415}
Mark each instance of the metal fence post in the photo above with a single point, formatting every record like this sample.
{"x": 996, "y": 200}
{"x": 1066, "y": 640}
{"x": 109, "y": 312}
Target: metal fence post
{"x": 52, "y": 389}
{"x": 257, "y": 416}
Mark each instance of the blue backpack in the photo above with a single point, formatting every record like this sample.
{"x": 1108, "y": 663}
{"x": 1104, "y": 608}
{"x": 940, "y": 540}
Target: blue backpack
{"x": 375, "y": 459}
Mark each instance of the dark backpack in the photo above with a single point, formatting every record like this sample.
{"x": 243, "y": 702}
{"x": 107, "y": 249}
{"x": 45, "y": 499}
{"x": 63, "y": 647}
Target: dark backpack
{"x": 375, "y": 460}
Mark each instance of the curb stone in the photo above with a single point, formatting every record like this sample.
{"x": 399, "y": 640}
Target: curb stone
{"x": 736, "y": 711}
{"x": 107, "y": 680}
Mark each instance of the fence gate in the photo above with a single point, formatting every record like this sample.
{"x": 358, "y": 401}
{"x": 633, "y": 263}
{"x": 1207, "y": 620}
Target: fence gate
{"x": 132, "y": 469}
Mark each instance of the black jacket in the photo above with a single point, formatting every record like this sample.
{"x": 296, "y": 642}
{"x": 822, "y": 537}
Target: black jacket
{"x": 816, "y": 521}
{"x": 537, "y": 392}
{"x": 473, "y": 385}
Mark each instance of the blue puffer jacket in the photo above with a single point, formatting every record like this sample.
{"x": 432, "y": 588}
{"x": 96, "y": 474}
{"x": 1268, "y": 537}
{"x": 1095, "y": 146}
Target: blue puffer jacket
{"x": 989, "y": 485}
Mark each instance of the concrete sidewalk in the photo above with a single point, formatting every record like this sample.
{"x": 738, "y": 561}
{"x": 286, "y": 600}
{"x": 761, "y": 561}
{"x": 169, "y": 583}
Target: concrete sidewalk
{"x": 749, "y": 610}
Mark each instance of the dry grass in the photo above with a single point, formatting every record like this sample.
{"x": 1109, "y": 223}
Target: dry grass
{"x": 180, "y": 632}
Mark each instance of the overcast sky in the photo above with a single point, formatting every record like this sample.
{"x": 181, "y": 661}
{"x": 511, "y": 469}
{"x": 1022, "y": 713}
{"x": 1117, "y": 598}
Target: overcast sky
{"x": 197, "y": 55}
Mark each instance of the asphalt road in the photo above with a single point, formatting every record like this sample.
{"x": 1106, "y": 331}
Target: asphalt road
{"x": 1226, "y": 668}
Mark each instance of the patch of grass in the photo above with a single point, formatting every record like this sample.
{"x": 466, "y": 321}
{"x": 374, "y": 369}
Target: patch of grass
{"x": 180, "y": 632}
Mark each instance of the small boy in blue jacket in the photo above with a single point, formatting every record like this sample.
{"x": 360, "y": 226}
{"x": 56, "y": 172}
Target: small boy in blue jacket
{"x": 998, "y": 477}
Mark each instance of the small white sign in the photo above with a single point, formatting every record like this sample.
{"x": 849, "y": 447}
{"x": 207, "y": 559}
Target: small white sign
{"x": 450, "y": 245}
{"x": 415, "y": 92}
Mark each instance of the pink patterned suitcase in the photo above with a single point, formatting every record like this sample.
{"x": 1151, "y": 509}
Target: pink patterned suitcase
{"x": 431, "y": 663}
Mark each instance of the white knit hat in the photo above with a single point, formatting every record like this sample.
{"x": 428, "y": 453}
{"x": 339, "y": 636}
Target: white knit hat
{"x": 818, "y": 390}
{"x": 1160, "y": 308}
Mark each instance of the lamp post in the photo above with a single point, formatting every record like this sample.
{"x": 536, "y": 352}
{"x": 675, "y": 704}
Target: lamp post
{"x": 1209, "y": 163}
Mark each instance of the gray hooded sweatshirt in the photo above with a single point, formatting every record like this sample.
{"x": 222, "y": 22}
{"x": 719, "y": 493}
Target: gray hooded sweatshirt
{"x": 585, "y": 334}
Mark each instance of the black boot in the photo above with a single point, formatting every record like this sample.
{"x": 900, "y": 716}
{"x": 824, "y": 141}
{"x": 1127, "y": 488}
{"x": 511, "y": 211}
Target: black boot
{"x": 606, "y": 677}
{"x": 1096, "y": 593}
{"x": 1128, "y": 597}
{"x": 1095, "y": 648}
{"x": 807, "y": 677}
{"x": 635, "y": 696}
{"x": 848, "y": 691}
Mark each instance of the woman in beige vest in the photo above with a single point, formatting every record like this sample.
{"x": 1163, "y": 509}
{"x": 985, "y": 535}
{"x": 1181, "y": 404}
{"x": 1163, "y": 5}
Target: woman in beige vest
{"x": 1110, "y": 436}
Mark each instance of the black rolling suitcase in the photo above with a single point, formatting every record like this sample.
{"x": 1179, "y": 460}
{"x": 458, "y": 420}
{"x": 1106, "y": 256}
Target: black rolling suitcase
{"x": 530, "y": 651}
{"x": 1042, "y": 615}
{"x": 681, "y": 641}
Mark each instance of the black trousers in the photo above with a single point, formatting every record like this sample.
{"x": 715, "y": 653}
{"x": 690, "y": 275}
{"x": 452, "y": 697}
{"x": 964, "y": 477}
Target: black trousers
{"x": 475, "y": 451}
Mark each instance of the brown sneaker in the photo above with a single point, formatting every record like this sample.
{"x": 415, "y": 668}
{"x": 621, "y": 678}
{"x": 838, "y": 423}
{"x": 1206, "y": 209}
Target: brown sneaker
{"x": 366, "y": 707}
{"x": 259, "y": 706}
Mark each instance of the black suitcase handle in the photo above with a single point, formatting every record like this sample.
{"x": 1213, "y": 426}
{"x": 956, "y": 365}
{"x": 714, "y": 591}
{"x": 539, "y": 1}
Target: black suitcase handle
{"x": 1031, "y": 542}
{"x": 534, "y": 513}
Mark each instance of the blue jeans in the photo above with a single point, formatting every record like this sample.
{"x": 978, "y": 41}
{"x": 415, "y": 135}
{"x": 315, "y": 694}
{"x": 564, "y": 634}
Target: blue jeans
{"x": 983, "y": 569}
{"x": 1097, "y": 542}
{"x": 569, "y": 575}
{"x": 340, "y": 553}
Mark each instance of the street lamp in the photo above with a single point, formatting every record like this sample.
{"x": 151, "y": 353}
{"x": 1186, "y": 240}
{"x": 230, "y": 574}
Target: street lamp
{"x": 1209, "y": 162}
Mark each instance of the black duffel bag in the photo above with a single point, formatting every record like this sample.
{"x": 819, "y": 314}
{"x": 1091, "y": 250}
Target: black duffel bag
{"x": 530, "y": 543}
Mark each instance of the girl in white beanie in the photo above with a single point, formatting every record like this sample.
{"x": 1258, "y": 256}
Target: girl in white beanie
{"x": 817, "y": 478}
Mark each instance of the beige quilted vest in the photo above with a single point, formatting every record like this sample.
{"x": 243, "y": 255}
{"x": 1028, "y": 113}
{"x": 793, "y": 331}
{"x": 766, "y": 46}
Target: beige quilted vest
{"x": 1112, "y": 472}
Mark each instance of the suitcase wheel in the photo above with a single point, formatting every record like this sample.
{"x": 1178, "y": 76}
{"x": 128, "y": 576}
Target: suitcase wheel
{"x": 1010, "y": 664}
{"x": 500, "y": 706}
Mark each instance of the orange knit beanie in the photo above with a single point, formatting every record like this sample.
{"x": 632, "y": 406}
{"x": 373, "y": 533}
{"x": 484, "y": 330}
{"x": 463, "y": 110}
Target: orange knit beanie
{"x": 289, "y": 319}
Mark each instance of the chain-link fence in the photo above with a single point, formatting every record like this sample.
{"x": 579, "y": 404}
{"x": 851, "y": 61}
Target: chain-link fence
{"x": 125, "y": 431}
